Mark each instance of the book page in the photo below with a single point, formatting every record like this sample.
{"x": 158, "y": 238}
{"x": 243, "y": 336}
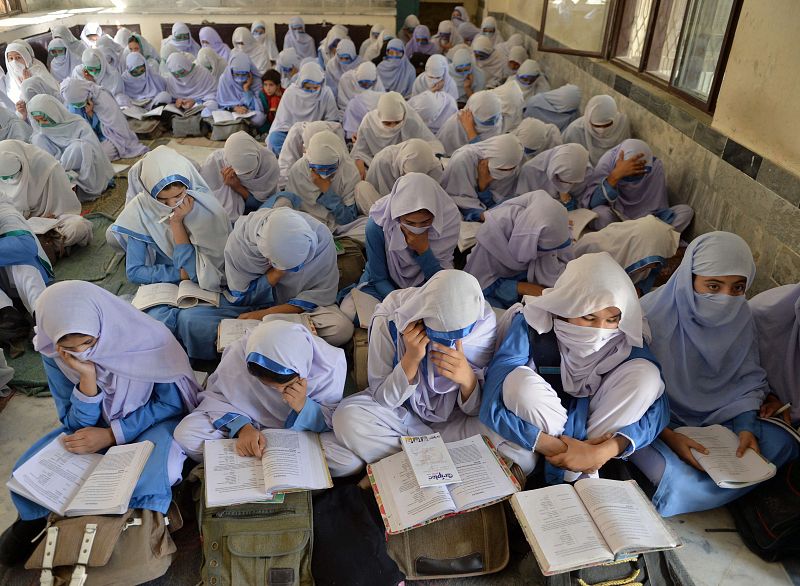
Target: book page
{"x": 109, "y": 487}
{"x": 405, "y": 503}
{"x": 365, "y": 307}
{"x": 189, "y": 293}
{"x": 559, "y": 528}
{"x": 578, "y": 221}
{"x": 173, "y": 109}
{"x": 156, "y": 294}
{"x": 135, "y": 112}
{"x": 231, "y": 330}
{"x": 230, "y": 478}
{"x": 722, "y": 464}
{"x": 625, "y": 517}
{"x": 53, "y": 475}
{"x": 294, "y": 459}
{"x": 430, "y": 459}
{"x": 482, "y": 478}
{"x": 467, "y": 235}
{"x": 42, "y": 225}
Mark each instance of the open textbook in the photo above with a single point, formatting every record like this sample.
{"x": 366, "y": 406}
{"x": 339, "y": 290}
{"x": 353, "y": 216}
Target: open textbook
{"x": 592, "y": 522}
{"x": 468, "y": 235}
{"x": 721, "y": 463}
{"x": 224, "y": 117}
{"x": 230, "y": 330}
{"x": 485, "y": 479}
{"x": 292, "y": 461}
{"x": 139, "y": 113}
{"x": 187, "y": 294}
{"x": 81, "y": 484}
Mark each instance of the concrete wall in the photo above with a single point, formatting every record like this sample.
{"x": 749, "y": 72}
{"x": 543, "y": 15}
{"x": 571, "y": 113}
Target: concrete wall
{"x": 760, "y": 94}
{"x": 730, "y": 187}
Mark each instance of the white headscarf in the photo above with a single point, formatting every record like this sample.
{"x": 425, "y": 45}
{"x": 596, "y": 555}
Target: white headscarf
{"x": 487, "y": 111}
{"x": 207, "y": 224}
{"x": 267, "y": 39}
{"x": 513, "y": 103}
{"x": 297, "y": 140}
{"x": 374, "y": 136}
{"x": 411, "y": 193}
{"x": 14, "y": 78}
{"x": 259, "y": 55}
{"x": 633, "y": 243}
{"x": 108, "y": 77}
{"x": 590, "y": 283}
{"x": 537, "y": 136}
{"x": 349, "y": 83}
{"x": 599, "y": 110}
{"x": 562, "y": 169}
{"x": 297, "y": 105}
{"x": 43, "y": 188}
{"x": 412, "y": 156}
{"x": 210, "y": 60}
{"x": 529, "y": 68}
{"x": 494, "y": 65}
{"x": 436, "y": 69}
{"x": 435, "y": 108}
{"x": 324, "y": 148}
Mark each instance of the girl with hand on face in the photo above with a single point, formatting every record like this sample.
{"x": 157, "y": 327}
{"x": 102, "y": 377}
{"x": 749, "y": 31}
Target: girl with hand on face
{"x": 95, "y": 68}
{"x": 306, "y": 100}
{"x": 522, "y": 248}
{"x": 560, "y": 171}
{"x": 601, "y": 128}
{"x": 411, "y": 235}
{"x": 435, "y": 78}
{"x": 428, "y": 350}
{"x": 238, "y": 90}
{"x": 705, "y": 338}
{"x": 189, "y": 85}
{"x": 117, "y": 377}
{"x": 480, "y": 119}
{"x": 175, "y": 230}
{"x": 468, "y": 77}
{"x": 588, "y": 330}
{"x": 482, "y": 175}
{"x": 279, "y": 376}
{"x": 21, "y": 65}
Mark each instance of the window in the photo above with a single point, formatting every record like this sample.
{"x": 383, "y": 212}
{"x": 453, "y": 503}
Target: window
{"x": 681, "y": 45}
{"x": 9, "y": 7}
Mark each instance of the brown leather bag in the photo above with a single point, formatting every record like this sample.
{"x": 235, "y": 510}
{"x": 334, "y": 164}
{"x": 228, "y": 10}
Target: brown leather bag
{"x": 99, "y": 550}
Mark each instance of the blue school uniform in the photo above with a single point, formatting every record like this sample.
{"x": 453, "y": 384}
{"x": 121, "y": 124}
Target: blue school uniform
{"x": 153, "y": 421}
{"x": 19, "y": 247}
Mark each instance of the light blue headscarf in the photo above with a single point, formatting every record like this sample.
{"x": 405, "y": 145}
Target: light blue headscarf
{"x": 706, "y": 343}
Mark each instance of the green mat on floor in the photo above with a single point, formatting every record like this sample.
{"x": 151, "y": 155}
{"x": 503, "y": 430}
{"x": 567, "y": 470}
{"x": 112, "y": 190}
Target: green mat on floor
{"x": 97, "y": 263}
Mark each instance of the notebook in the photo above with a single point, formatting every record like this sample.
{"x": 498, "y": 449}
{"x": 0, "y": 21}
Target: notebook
{"x": 721, "y": 463}
{"x": 187, "y": 294}
{"x": 468, "y": 235}
{"x": 404, "y": 505}
{"x": 230, "y": 330}
{"x": 592, "y": 522}
{"x": 579, "y": 221}
{"x": 292, "y": 461}
{"x": 81, "y": 484}
{"x": 223, "y": 117}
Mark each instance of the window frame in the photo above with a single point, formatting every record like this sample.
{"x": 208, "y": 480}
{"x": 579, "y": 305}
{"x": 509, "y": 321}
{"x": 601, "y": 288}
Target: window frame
{"x": 641, "y": 70}
{"x": 542, "y": 46}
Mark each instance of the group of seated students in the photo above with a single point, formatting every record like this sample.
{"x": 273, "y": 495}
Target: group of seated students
{"x": 542, "y": 343}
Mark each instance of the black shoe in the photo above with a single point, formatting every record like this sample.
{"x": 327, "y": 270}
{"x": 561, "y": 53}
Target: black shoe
{"x": 17, "y": 542}
{"x": 14, "y": 326}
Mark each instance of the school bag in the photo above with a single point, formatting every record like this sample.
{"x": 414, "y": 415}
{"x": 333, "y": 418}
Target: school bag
{"x": 467, "y": 544}
{"x": 350, "y": 260}
{"x": 647, "y": 569}
{"x": 256, "y": 543}
{"x": 768, "y": 517}
{"x": 99, "y": 550}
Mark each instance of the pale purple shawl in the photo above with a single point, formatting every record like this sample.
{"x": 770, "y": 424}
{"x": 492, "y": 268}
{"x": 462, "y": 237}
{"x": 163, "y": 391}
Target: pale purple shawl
{"x": 561, "y": 169}
{"x": 113, "y": 122}
{"x": 777, "y": 316}
{"x": 636, "y": 198}
{"x": 277, "y": 343}
{"x": 414, "y": 46}
{"x": 211, "y": 36}
{"x": 146, "y": 86}
{"x": 229, "y": 92}
{"x": 335, "y": 68}
{"x": 413, "y": 192}
{"x": 529, "y": 233}
{"x": 397, "y": 75}
{"x": 199, "y": 84}
{"x": 132, "y": 353}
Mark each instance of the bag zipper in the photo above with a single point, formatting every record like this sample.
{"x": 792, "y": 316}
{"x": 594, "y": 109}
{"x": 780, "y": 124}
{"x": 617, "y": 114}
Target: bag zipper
{"x": 251, "y": 514}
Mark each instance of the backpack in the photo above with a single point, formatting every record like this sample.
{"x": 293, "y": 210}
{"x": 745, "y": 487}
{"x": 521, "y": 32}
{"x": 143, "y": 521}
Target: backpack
{"x": 350, "y": 260}
{"x": 647, "y": 569}
{"x": 476, "y": 543}
{"x": 768, "y": 517}
{"x": 99, "y": 550}
{"x": 257, "y": 543}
